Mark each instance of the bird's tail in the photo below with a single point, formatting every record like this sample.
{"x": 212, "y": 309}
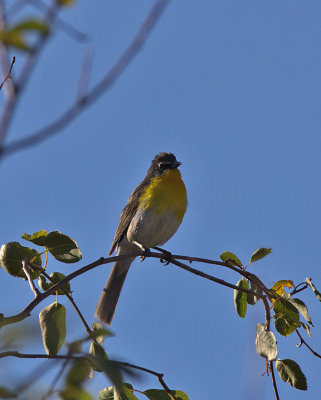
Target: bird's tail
{"x": 107, "y": 302}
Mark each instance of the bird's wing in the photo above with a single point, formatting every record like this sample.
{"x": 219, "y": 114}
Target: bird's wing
{"x": 128, "y": 213}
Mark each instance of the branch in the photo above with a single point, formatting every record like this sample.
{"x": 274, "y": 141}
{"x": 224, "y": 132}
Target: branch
{"x": 274, "y": 381}
{"x": 100, "y": 88}
{"x": 8, "y": 76}
{"x": 302, "y": 341}
{"x": 41, "y": 296}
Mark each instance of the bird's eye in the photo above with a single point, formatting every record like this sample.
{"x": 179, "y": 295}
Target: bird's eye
{"x": 162, "y": 166}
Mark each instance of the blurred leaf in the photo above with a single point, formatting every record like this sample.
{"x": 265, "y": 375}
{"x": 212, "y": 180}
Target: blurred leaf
{"x": 286, "y": 318}
{"x": 290, "y": 372}
{"x": 74, "y": 393}
{"x": 14, "y": 39}
{"x": 57, "y": 277}
{"x": 227, "y": 256}
{"x": 315, "y": 291}
{"x": 6, "y": 393}
{"x": 11, "y": 256}
{"x": 66, "y": 2}
{"x": 62, "y": 247}
{"x": 265, "y": 343}
{"x": 279, "y": 286}
{"x": 260, "y": 253}
{"x": 98, "y": 355}
{"x": 53, "y": 327}
{"x": 31, "y": 24}
{"x": 158, "y": 394}
{"x": 78, "y": 372}
{"x": 36, "y": 238}
{"x": 240, "y": 298}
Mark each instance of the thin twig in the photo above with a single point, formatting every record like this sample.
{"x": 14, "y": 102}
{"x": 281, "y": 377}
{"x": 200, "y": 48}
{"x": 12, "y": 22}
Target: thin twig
{"x": 32, "y": 285}
{"x": 100, "y": 88}
{"x": 159, "y": 376}
{"x": 9, "y": 87}
{"x": 302, "y": 341}
{"x": 274, "y": 381}
{"x": 8, "y": 76}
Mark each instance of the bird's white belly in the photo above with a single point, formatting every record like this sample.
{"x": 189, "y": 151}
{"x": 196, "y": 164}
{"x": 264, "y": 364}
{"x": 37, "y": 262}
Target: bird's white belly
{"x": 151, "y": 229}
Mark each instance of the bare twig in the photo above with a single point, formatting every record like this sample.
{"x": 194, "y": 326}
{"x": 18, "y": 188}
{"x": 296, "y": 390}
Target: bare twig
{"x": 32, "y": 285}
{"x": 9, "y": 87}
{"x": 8, "y": 76}
{"x": 85, "y": 71}
{"x": 60, "y": 23}
{"x": 100, "y": 88}
{"x": 274, "y": 381}
{"x": 56, "y": 379}
{"x": 12, "y": 102}
{"x": 302, "y": 341}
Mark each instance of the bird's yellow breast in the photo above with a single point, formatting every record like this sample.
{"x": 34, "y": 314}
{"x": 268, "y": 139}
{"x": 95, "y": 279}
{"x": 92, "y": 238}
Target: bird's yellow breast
{"x": 166, "y": 193}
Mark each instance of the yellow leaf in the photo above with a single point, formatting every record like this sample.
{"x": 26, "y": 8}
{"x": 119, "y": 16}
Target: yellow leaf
{"x": 279, "y": 286}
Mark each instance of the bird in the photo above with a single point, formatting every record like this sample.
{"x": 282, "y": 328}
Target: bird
{"x": 153, "y": 214}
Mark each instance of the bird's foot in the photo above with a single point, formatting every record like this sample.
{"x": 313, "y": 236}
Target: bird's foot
{"x": 167, "y": 255}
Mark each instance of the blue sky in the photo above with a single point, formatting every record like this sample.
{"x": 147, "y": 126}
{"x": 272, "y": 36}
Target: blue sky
{"x": 233, "y": 89}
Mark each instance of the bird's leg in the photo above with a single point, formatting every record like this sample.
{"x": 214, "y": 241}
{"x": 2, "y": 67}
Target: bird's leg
{"x": 144, "y": 250}
{"x": 167, "y": 255}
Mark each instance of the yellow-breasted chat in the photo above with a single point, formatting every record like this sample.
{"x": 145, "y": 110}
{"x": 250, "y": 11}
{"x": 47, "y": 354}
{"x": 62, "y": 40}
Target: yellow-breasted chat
{"x": 152, "y": 215}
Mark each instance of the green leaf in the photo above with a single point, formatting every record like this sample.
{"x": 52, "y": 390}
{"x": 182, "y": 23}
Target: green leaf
{"x": 231, "y": 258}
{"x": 286, "y": 318}
{"x": 315, "y": 291}
{"x": 240, "y": 298}
{"x": 31, "y": 24}
{"x": 6, "y": 393}
{"x": 291, "y": 372}
{"x": 78, "y": 372}
{"x": 11, "y": 256}
{"x": 72, "y": 392}
{"x": 57, "y": 277}
{"x": 14, "y": 39}
{"x": 265, "y": 343}
{"x": 53, "y": 327}
{"x": 260, "y": 253}
{"x": 252, "y": 299}
{"x": 300, "y": 306}
{"x": 36, "y": 238}
{"x": 62, "y": 247}
{"x": 66, "y": 3}
{"x": 158, "y": 394}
